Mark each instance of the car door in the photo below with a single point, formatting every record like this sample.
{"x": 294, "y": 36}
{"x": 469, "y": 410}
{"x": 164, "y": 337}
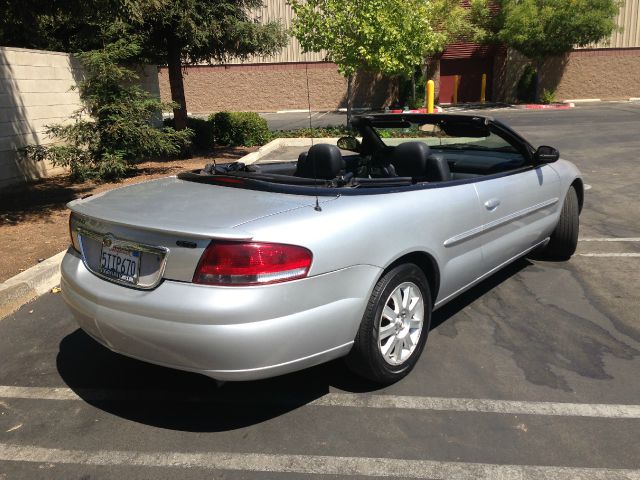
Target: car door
{"x": 460, "y": 218}
{"x": 518, "y": 212}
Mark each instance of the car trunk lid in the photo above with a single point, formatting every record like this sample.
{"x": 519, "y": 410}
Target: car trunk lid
{"x": 167, "y": 224}
{"x": 175, "y": 206}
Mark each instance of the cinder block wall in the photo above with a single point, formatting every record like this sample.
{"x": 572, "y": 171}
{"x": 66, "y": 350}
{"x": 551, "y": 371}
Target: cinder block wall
{"x": 607, "y": 74}
{"x": 277, "y": 86}
{"x": 35, "y": 91}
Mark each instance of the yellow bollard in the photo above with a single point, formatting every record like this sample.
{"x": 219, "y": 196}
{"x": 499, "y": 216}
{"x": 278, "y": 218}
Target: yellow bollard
{"x": 483, "y": 90}
{"x": 431, "y": 87}
{"x": 456, "y": 82}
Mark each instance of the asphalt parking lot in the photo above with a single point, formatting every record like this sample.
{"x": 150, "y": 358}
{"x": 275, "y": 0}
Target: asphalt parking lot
{"x": 533, "y": 374}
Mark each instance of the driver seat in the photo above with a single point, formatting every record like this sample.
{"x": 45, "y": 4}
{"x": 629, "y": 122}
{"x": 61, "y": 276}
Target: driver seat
{"x": 414, "y": 159}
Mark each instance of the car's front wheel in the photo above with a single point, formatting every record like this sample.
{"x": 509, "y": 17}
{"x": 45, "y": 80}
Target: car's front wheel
{"x": 394, "y": 327}
{"x": 564, "y": 239}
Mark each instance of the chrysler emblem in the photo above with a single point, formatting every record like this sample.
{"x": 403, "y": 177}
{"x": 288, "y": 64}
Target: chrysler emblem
{"x": 107, "y": 241}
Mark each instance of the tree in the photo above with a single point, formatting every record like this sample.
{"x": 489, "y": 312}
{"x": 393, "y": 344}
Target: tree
{"x": 60, "y": 25}
{"x": 180, "y": 32}
{"x": 114, "y": 128}
{"x": 385, "y": 36}
{"x": 543, "y": 28}
{"x": 170, "y": 32}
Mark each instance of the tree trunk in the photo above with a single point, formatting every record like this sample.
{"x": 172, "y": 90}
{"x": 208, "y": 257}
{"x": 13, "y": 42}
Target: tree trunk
{"x": 413, "y": 89}
{"x": 176, "y": 83}
{"x": 349, "y": 99}
{"x": 425, "y": 79}
{"x": 539, "y": 64}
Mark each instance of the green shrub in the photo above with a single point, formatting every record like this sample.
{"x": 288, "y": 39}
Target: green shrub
{"x": 419, "y": 101}
{"x": 526, "y": 88}
{"x": 202, "y": 132}
{"x": 406, "y": 89}
{"x": 548, "y": 96}
{"x": 323, "y": 132}
{"x": 114, "y": 128}
{"x": 239, "y": 129}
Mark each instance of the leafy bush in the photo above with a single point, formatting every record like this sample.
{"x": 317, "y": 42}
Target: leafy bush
{"x": 548, "y": 96}
{"x": 324, "y": 132}
{"x": 202, "y": 131}
{"x": 406, "y": 89}
{"x": 526, "y": 88}
{"x": 239, "y": 129}
{"x": 114, "y": 128}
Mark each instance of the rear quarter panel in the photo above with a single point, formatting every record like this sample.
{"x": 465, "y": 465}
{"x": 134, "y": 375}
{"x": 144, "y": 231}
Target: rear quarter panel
{"x": 378, "y": 229}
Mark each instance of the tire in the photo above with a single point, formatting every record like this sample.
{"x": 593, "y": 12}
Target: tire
{"x": 394, "y": 327}
{"x": 564, "y": 239}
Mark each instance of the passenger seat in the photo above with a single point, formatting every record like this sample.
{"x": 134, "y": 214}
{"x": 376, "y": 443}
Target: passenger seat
{"x": 323, "y": 161}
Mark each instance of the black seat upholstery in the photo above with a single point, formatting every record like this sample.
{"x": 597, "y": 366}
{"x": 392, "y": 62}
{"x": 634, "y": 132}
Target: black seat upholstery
{"x": 438, "y": 169}
{"x": 323, "y": 161}
{"x": 414, "y": 159}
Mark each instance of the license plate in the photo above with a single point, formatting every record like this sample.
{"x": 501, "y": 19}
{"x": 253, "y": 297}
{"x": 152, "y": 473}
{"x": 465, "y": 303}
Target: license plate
{"x": 120, "y": 264}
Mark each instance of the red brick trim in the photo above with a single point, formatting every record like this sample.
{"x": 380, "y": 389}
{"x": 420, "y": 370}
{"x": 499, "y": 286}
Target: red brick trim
{"x": 607, "y": 52}
{"x": 264, "y": 66}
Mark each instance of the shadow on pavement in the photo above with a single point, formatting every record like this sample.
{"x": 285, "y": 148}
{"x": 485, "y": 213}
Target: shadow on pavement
{"x": 176, "y": 400}
{"x": 450, "y": 309}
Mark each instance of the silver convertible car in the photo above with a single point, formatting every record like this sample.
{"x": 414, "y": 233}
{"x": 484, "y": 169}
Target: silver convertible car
{"x": 243, "y": 271}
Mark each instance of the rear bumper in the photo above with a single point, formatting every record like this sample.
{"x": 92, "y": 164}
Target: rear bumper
{"x": 228, "y": 333}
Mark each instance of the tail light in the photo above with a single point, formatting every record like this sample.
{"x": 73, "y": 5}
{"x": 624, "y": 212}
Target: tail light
{"x": 251, "y": 263}
{"x": 73, "y": 232}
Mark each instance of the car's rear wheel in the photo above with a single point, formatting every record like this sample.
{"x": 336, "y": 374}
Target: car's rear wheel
{"x": 394, "y": 327}
{"x": 564, "y": 239}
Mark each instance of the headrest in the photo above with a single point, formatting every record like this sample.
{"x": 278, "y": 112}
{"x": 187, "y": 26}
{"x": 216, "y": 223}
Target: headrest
{"x": 323, "y": 161}
{"x": 410, "y": 159}
{"x": 414, "y": 159}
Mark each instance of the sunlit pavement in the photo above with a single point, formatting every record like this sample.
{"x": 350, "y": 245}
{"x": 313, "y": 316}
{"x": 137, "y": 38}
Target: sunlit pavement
{"x": 531, "y": 375}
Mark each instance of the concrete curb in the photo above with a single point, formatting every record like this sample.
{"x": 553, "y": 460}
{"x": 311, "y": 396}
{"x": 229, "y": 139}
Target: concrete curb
{"x": 29, "y": 284}
{"x": 261, "y": 152}
{"x": 436, "y": 109}
{"x": 551, "y": 106}
{"x": 279, "y": 143}
{"x": 584, "y": 100}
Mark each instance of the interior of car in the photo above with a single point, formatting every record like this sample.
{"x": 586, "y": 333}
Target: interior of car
{"x": 399, "y": 150}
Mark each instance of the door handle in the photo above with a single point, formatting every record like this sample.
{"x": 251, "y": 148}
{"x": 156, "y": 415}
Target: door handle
{"x": 492, "y": 204}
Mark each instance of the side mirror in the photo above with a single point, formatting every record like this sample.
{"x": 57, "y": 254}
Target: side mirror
{"x": 349, "y": 143}
{"x": 546, "y": 154}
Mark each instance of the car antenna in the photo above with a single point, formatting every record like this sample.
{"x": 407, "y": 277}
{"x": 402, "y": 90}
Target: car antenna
{"x": 317, "y": 207}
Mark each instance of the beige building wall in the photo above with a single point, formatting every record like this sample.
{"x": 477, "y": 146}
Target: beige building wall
{"x": 277, "y": 82}
{"x": 36, "y": 90}
{"x": 609, "y": 70}
{"x": 605, "y": 74}
{"x": 280, "y": 11}
{"x": 628, "y": 33}
{"x": 274, "y": 87}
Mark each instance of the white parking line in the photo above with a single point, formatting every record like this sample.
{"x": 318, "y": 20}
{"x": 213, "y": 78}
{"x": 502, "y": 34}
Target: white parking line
{"x": 601, "y": 410}
{"x": 480, "y": 405}
{"x": 311, "y": 464}
{"x": 609, "y": 239}
{"x": 609, "y": 255}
